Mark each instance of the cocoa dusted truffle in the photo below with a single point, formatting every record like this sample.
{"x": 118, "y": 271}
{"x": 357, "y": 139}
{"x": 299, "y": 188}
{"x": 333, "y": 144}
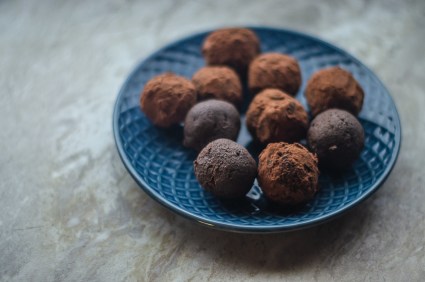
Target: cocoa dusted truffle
{"x": 210, "y": 120}
{"x": 233, "y": 47}
{"x": 225, "y": 169}
{"x": 334, "y": 88}
{"x": 288, "y": 173}
{"x": 218, "y": 83}
{"x": 274, "y": 70}
{"x": 337, "y": 138}
{"x": 167, "y": 98}
{"x": 274, "y": 116}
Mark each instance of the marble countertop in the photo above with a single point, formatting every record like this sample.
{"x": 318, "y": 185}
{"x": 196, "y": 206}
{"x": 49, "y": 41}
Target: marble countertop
{"x": 69, "y": 211}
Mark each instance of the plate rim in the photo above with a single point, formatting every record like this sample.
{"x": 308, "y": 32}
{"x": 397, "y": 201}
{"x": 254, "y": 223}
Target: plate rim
{"x": 234, "y": 227}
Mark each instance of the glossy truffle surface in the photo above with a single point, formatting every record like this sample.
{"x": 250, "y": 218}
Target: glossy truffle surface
{"x": 337, "y": 138}
{"x": 210, "y": 120}
{"x": 218, "y": 83}
{"x": 274, "y": 116}
{"x": 274, "y": 70}
{"x": 233, "y": 47}
{"x": 225, "y": 169}
{"x": 288, "y": 173}
{"x": 334, "y": 87}
{"x": 167, "y": 98}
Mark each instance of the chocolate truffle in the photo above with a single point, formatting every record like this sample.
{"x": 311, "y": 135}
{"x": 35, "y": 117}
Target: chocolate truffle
{"x": 167, "y": 98}
{"x": 220, "y": 83}
{"x": 233, "y": 47}
{"x": 210, "y": 120}
{"x": 334, "y": 88}
{"x": 275, "y": 116}
{"x": 337, "y": 138}
{"x": 274, "y": 70}
{"x": 288, "y": 173}
{"x": 225, "y": 169}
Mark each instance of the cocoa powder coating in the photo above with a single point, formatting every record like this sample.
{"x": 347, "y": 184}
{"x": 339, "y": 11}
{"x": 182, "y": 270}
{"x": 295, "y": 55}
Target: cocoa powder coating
{"x": 225, "y": 169}
{"x": 334, "y": 88}
{"x": 288, "y": 173}
{"x": 274, "y": 70}
{"x": 274, "y": 116}
{"x": 233, "y": 47}
{"x": 337, "y": 137}
{"x": 167, "y": 98}
{"x": 210, "y": 120}
{"x": 218, "y": 83}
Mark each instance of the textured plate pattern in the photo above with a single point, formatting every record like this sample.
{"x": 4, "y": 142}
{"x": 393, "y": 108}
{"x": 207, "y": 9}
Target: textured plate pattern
{"x": 163, "y": 167}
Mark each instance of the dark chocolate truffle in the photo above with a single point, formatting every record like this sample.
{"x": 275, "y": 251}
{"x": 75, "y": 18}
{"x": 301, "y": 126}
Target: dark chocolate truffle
{"x": 233, "y": 47}
{"x": 337, "y": 138}
{"x": 210, "y": 120}
{"x": 220, "y": 83}
{"x": 167, "y": 98}
{"x": 288, "y": 173}
{"x": 274, "y": 116}
{"x": 225, "y": 169}
{"x": 334, "y": 88}
{"x": 274, "y": 70}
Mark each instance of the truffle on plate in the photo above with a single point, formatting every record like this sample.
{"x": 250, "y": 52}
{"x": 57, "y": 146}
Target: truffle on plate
{"x": 334, "y": 87}
{"x": 167, "y": 98}
{"x": 225, "y": 169}
{"x": 210, "y": 120}
{"x": 288, "y": 173}
{"x": 337, "y": 137}
{"x": 218, "y": 82}
{"x": 274, "y": 70}
{"x": 275, "y": 116}
{"x": 233, "y": 47}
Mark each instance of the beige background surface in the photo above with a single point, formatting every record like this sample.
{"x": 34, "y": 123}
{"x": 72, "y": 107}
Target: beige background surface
{"x": 69, "y": 211}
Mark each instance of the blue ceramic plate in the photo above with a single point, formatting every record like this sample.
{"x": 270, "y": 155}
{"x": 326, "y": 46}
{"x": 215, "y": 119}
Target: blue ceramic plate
{"x": 163, "y": 167}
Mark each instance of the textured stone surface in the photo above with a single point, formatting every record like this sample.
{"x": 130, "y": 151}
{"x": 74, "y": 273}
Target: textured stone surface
{"x": 69, "y": 211}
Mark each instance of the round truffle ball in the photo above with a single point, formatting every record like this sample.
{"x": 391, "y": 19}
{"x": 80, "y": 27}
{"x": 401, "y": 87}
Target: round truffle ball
{"x": 274, "y": 116}
{"x": 233, "y": 47}
{"x": 220, "y": 83}
{"x": 334, "y": 88}
{"x": 288, "y": 173}
{"x": 167, "y": 98}
{"x": 210, "y": 120}
{"x": 337, "y": 138}
{"x": 274, "y": 70}
{"x": 225, "y": 169}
